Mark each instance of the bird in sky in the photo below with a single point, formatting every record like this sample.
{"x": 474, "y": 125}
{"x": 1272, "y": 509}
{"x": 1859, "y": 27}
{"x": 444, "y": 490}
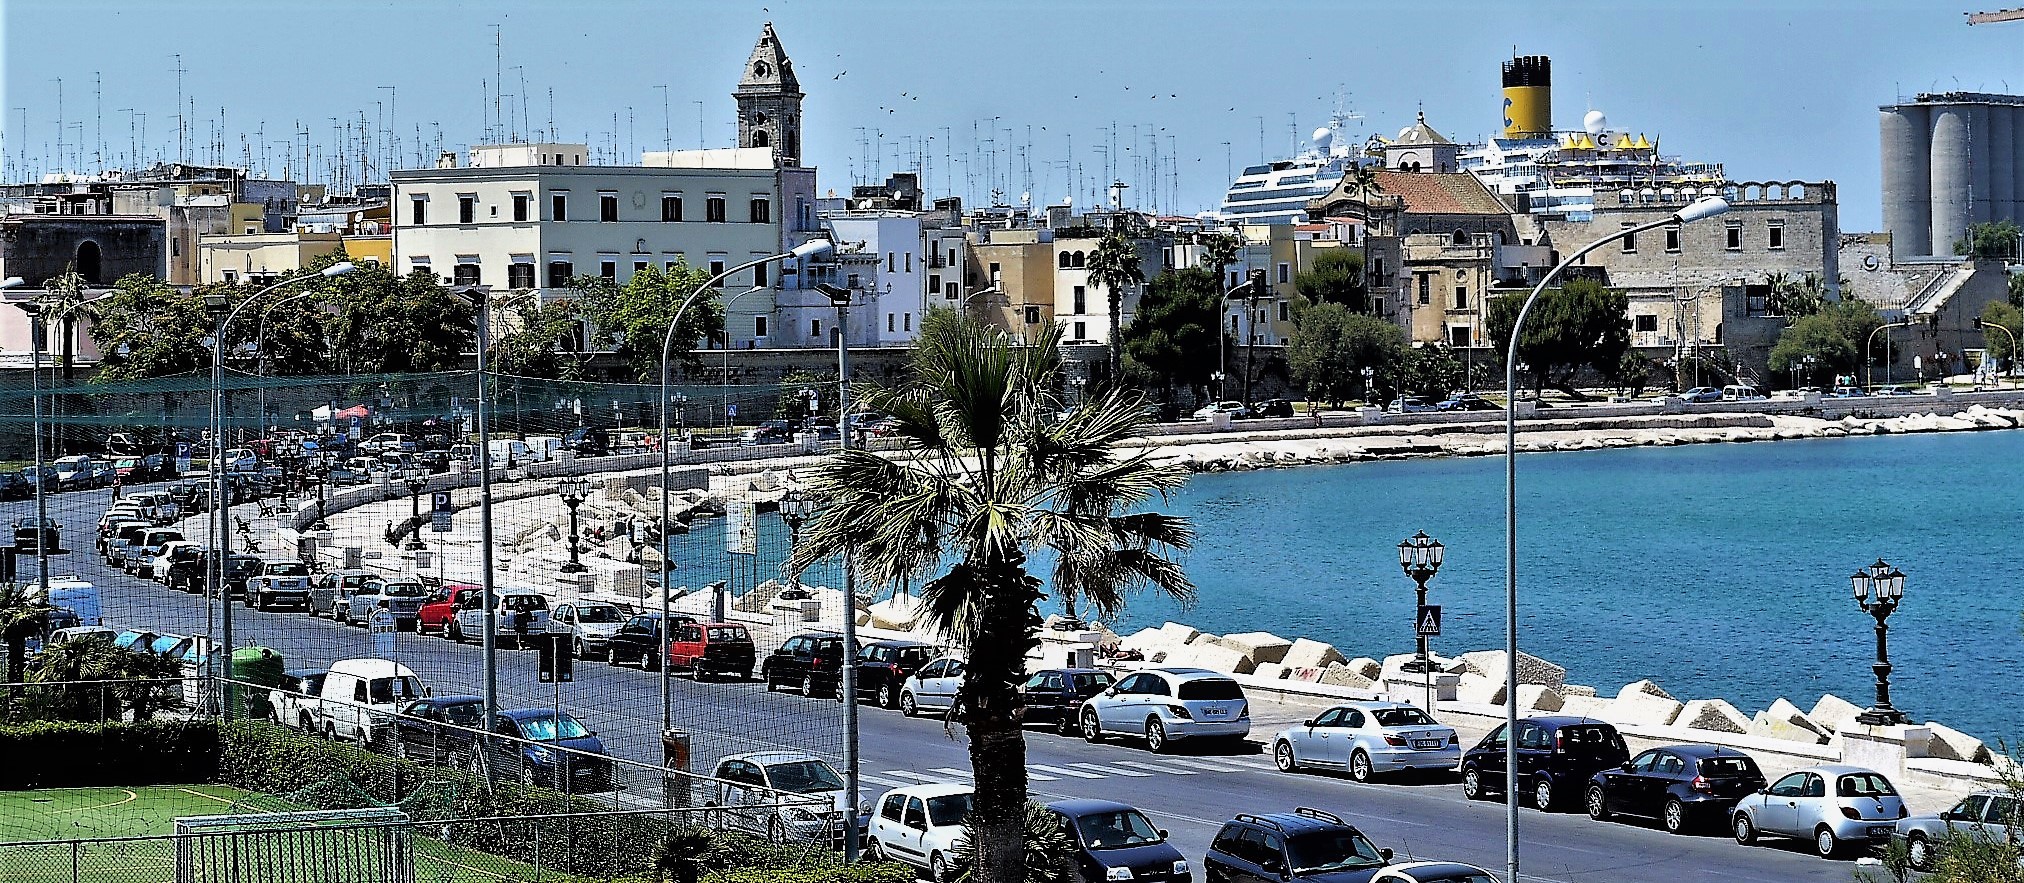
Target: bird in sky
{"x": 839, "y": 75}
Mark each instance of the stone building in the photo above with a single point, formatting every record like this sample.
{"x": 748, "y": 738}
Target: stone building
{"x": 769, "y": 101}
{"x": 102, "y": 248}
{"x": 1939, "y": 300}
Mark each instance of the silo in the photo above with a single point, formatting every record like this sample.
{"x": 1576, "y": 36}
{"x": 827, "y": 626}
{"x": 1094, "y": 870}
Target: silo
{"x": 1907, "y": 179}
{"x": 1981, "y": 180}
{"x": 2002, "y": 162}
{"x": 1952, "y": 176}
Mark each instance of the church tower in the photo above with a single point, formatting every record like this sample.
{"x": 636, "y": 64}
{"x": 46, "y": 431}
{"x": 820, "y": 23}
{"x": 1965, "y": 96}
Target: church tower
{"x": 769, "y": 101}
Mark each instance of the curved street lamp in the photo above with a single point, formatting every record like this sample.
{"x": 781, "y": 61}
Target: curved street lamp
{"x": 1698, "y": 210}
{"x": 1878, "y": 589}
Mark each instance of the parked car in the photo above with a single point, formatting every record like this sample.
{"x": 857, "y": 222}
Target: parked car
{"x": 140, "y": 559}
{"x": 1556, "y": 754}
{"x": 44, "y": 475}
{"x": 1368, "y": 738}
{"x": 919, "y": 825}
{"x": 1466, "y": 401}
{"x": 1983, "y": 815}
{"x": 1683, "y": 786}
{"x": 1271, "y": 408}
{"x": 120, "y": 535}
{"x": 1742, "y": 392}
{"x": 587, "y": 441}
{"x": 280, "y": 583}
{"x": 294, "y": 702}
{"x": 387, "y": 442}
{"x": 1848, "y": 392}
{"x": 1305, "y": 844}
{"x": 361, "y": 696}
{"x": 1114, "y": 841}
{"x": 540, "y": 748}
{"x": 1162, "y": 705}
{"x": 518, "y": 612}
{"x": 193, "y": 575}
{"x": 812, "y": 662}
{"x": 74, "y": 473}
{"x": 170, "y": 554}
{"x": 324, "y": 590}
{"x": 766, "y": 435}
{"x": 884, "y": 666}
{"x": 442, "y": 606}
{"x": 15, "y": 486}
{"x": 1833, "y": 805}
{"x": 934, "y": 687}
{"x": 1236, "y": 410}
{"x": 1054, "y": 695}
{"x": 589, "y": 625}
{"x": 346, "y": 599}
{"x": 1897, "y": 391}
{"x": 1408, "y": 405}
{"x": 1700, "y": 395}
{"x": 401, "y": 595}
{"x": 1433, "y": 872}
{"x": 782, "y": 795}
{"x": 32, "y": 535}
{"x": 439, "y": 729}
{"x": 707, "y": 648}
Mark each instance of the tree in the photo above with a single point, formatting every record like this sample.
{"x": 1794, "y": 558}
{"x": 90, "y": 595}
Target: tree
{"x": 147, "y": 328}
{"x": 398, "y": 324}
{"x": 1995, "y": 241}
{"x": 634, "y": 317}
{"x": 549, "y": 342}
{"x": 1049, "y": 848}
{"x": 1332, "y": 345}
{"x": 2016, "y": 286}
{"x": 1794, "y": 298}
{"x": 1430, "y": 371}
{"x": 2000, "y": 345}
{"x": 988, "y": 476}
{"x": 1579, "y": 324}
{"x": 1114, "y": 267}
{"x": 1634, "y": 372}
{"x": 1337, "y": 278}
{"x": 23, "y": 615}
{"x": 1172, "y": 336}
{"x": 65, "y": 665}
{"x": 1834, "y": 337}
{"x": 1219, "y": 251}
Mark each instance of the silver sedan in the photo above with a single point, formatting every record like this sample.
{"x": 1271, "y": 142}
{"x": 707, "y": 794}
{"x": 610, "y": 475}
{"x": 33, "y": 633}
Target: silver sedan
{"x": 1984, "y": 815}
{"x": 1367, "y": 738}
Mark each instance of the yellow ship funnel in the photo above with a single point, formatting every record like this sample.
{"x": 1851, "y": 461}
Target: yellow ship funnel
{"x": 1528, "y": 97}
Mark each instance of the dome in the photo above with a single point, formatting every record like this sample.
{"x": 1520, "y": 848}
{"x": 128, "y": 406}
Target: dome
{"x": 1322, "y": 137}
{"x": 1595, "y": 122}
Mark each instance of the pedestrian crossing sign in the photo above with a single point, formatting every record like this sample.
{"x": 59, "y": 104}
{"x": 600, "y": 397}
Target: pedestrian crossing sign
{"x": 1428, "y": 624}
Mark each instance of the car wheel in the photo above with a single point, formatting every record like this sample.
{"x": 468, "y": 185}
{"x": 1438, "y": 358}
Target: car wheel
{"x": 938, "y": 868}
{"x": 529, "y": 776}
{"x": 808, "y": 686}
{"x": 1282, "y": 757}
{"x": 1746, "y": 833}
{"x": 1359, "y": 766}
{"x": 455, "y": 631}
{"x": 330, "y": 732}
{"x": 1064, "y": 724}
{"x": 776, "y": 830}
{"x": 1825, "y": 844}
{"x": 1919, "y": 852}
{"x": 305, "y": 723}
{"x": 1542, "y": 794}
{"x": 1472, "y": 783}
{"x": 1598, "y": 803}
{"x": 1674, "y": 816}
{"x": 1156, "y": 735}
{"x": 908, "y": 706}
{"x": 888, "y": 696}
{"x": 362, "y": 738}
{"x": 576, "y": 647}
{"x": 872, "y": 851}
{"x": 1092, "y": 731}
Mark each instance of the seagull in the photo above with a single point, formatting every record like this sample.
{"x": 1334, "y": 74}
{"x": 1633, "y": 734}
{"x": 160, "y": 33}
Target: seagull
{"x": 839, "y": 75}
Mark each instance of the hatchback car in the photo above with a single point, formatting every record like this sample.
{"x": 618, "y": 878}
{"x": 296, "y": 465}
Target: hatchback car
{"x": 1053, "y": 696}
{"x": 1680, "y": 785}
{"x": 920, "y": 825}
{"x": 543, "y": 749}
{"x": 884, "y": 666}
{"x": 1555, "y": 753}
{"x": 1162, "y": 705}
{"x": 1466, "y": 401}
{"x": 1272, "y": 408}
{"x": 1833, "y": 805}
{"x": 1305, "y": 844}
{"x": 1234, "y": 409}
{"x": 712, "y": 648}
{"x": 638, "y": 642}
{"x": 439, "y": 729}
{"x": 782, "y": 795}
{"x": 589, "y": 625}
{"x": 1984, "y": 815}
{"x": 1367, "y": 738}
{"x": 1700, "y": 395}
{"x": 1114, "y": 841}
{"x": 934, "y": 688}
{"x": 813, "y": 662}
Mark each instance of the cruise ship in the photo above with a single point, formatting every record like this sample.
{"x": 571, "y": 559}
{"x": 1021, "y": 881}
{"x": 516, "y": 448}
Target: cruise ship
{"x": 1277, "y": 192}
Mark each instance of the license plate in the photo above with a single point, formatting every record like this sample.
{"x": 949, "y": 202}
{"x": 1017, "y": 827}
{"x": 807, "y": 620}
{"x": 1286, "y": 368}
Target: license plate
{"x": 1214, "y": 712}
{"x": 1426, "y": 744}
{"x": 1880, "y": 831}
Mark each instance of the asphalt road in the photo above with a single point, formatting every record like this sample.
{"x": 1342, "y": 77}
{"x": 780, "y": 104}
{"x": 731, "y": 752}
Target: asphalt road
{"x": 1188, "y": 793}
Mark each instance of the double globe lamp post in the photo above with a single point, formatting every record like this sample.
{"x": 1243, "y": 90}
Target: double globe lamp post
{"x": 1420, "y": 557}
{"x": 574, "y": 491}
{"x": 1878, "y": 589}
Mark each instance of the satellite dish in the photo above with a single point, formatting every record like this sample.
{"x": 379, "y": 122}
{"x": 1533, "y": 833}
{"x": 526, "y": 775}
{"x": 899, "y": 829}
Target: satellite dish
{"x": 1068, "y": 200}
{"x": 1026, "y": 198}
{"x": 1595, "y": 122}
{"x": 1322, "y": 137}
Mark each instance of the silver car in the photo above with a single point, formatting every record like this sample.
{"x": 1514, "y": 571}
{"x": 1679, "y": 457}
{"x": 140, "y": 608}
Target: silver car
{"x": 1832, "y": 805}
{"x": 1986, "y": 815}
{"x": 781, "y": 794}
{"x": 1161, "y": 705}
{"x": 590, "y": 625}
{"x": 1367, "y": 738}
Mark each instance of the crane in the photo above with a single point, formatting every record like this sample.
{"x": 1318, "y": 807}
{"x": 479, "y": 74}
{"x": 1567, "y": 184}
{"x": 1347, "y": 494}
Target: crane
{"x": 2000, "y": 15}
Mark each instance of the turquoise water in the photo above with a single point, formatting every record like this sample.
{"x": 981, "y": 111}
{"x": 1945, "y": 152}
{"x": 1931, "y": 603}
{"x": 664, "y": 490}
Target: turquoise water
{"x": 1720, "y": 571}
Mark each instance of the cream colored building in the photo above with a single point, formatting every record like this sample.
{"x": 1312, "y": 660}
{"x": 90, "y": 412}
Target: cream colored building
{"x": 230, "y": 258}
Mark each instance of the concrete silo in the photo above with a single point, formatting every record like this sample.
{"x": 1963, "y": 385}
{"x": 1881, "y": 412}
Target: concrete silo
{"x": 1907, "y": 185}
{"x": 1950, "y": 160}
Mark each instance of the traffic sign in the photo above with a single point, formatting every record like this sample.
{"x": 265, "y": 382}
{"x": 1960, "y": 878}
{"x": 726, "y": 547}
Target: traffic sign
{"x": 1428, "y": 623}
{"x": 741, "y": 534}
{"x": 731, "y": 411}
{"x": 439, "y": 501}
{"x": 384, "y": 627}
{"x": 441, "y": 522}
{"x": 557, "y": 665}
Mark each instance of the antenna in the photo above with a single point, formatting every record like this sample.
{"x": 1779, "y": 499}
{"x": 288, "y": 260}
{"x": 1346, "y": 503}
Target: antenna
{"x": 98, "y": 123}
{"x": 393, "y": 141}
{"x": 61, "y": 161}
{"x": 667, "y": 122}
{"x": 523, "y": 98}
{"x": 699, "y": 126}
{"x": 180, "y": 122}
{"x": 498, "y": 72}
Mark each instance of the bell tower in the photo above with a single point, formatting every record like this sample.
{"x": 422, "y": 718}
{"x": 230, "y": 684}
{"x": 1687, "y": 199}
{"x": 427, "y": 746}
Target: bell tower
{"x": 769, "y": 101}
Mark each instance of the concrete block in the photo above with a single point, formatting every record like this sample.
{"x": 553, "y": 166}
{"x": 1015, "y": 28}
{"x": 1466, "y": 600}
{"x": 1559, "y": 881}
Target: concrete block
{"x": 1833, "y": 713}
{"x": 1477, "y": 689}
{"x": 1211, "y": 656}
{"x": 1643, "y": 709}
{"x": 1951, "y": 744}
{"x": 1644, "y": 688}
{"x": 1783, "y": 720}
{"x": 1366, "y": 666}
{"x": 1144, "y": 641}
{"x": 1531, "y": 669}
{"x": 1260, "y": 647}
{"x": 1270, "y": 671}
{"x": 1178, "y": 634}
{"x": 1307, "y": 674}
{"x": 899, "y": 613}
{"x": 1576, "y": 690}
{"x": 1538, "y": 698}
{"x": 1345, "y": 676}
{"x": 1715, "y": 715}
{"x": 1311, "y": 654}
{"x": 1586, "y": 706}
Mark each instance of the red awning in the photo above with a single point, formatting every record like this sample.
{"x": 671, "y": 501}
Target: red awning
{"x": 353, "y": 411}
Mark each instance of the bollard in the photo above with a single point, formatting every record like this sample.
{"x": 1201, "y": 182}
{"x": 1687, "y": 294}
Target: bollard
{"x": 675, "y": 783}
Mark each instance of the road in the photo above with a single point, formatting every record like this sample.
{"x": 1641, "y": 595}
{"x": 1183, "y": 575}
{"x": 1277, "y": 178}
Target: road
{"x": 1189, "y": 793}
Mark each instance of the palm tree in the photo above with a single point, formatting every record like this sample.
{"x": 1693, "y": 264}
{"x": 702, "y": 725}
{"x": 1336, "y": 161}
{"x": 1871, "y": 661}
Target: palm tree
{"x": 23, "y": 615}
{"x": 1114, "y": 266}
{"x": 65, "y": 303}
{"x": 987, "y": 477}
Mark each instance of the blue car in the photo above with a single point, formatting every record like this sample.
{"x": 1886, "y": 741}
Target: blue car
{"x": 543, "y": 750}
{"x": 1702, "y": 395}
{"x": 1114, "y": 841}
{"x": 1306, "y": 845}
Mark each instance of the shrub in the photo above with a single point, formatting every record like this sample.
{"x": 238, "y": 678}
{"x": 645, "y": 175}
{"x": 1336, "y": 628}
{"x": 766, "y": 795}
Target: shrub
{"x": 59, "y": 754}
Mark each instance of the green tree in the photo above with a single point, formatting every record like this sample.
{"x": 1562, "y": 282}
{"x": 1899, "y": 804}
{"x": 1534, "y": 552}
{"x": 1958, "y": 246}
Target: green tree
{"x": 1834, "y": 337}
{"x": 148, "y": 328}
{"x": 2016, "y": 286}
{"x": 1995, "y": 241}
{"x": 399, "y": 324}
{"x": 548, "y": 342}
{"x": 1999, "y": 344}
{"x": 1172, "y": 336}
{"x": 1332, "y": 345}
{"x": 634, "y": 317}
{"x": 142, "y": 693}
{"x": 1114, "y": 267}
{"x": 1794, "y": 298}
{"x": 23, "y": 615}
{"x": 987, "y": 477}
{"x": 1431, "y": 371}
{"x": 1337, "y": 278}
{"x": 1634, "y": 371}
{"x": 1580, "y": 324}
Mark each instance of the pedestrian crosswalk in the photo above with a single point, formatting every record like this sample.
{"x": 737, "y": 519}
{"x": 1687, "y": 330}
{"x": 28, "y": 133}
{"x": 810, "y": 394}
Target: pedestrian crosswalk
{"x": 1162, "y": 765}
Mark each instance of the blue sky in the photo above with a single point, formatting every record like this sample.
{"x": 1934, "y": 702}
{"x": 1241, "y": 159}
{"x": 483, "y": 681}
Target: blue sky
{"x": 1776, "y": 90}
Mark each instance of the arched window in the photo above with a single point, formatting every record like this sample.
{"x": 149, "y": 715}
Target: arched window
{"x": 1079, "y": 261}
{"x": 88, "y": 261}
{"x": 1461, "y": 237}
{"x": 759, "y": 138}
{"x": 1063, "y": 260}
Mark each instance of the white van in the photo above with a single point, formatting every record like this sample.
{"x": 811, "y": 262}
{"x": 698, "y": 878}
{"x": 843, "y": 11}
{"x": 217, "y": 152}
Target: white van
{"x": 511, "y": 453}
{"x": 1742, "y": 393}
{"x": 361, "y": 696}
{"x": 544, "y": 446}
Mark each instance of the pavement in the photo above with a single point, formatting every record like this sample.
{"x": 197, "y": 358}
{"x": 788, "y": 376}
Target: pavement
{"x": 1190, "y": 792}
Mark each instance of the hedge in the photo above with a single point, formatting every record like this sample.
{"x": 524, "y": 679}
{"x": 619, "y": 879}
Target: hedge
{"x": 63, "y": 754}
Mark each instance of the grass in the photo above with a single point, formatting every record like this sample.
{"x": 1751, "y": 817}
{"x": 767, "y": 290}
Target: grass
{"x": 68, "y": 814}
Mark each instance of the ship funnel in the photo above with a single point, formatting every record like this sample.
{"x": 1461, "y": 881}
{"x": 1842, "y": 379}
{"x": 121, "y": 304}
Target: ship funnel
{"x": 1528, "y": 97}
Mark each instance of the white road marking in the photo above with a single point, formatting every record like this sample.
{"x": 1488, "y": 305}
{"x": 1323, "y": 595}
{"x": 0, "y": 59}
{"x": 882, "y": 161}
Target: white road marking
{"x": 1171, "y": 771}
{"x": 908, "y": 774}
{"x": 1063, "y": 771}
{"x": 1114, "y": 771}
{"x": 951, "y": 772}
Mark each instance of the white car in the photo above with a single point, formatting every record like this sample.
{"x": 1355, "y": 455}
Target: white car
{"x": 402, "y": 595}
{"x": 361, "y": 696}
{"x": 919, "y": 825}
{"x": 1833, "y": 805}
{"x": 387, "y": 442}
{"x": 1232, "y": 408}
{"x": 294, "y": 702}
{"x": 1433, "y": 872}
{"x": 1367, "y": 738}
{"x": 782, "y": 795}
{"x": 933, "y": 688}
{"x": 160, "y": 570}
{"x": 590, "y": 625}
{"x": 517, "y": 608}
{"x": 1161, "y": 705}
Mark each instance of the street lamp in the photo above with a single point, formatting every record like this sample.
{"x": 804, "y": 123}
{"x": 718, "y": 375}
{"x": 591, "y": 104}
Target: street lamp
{"x": 416, "y": 484}
{"x": 1868, "y": 373}
{"x": 573, "y": 490}
{"x": 1700, "y": 209}
{"x": 323, "y": 466}
{"x": 795, "y": 509}
{"x": 1420, "y": 557}
{"x": 1985, "y": 326}
{"x": 724, "y": 382}
{"x": 1878, "y": 589}
{"x": 1369, "y": 373}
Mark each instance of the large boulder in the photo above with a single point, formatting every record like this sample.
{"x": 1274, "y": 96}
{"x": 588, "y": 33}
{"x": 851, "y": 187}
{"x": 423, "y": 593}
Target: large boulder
{"x": 1213, "y": 657}
{"x": 1479, "y": 690}
{"x": 1270, "y": 671}
{"x": 1366, "y": 666}
{"x": 1715, "y": 715}
{"x": 1531, "y": 669}
{"x": 1145, "y": 641}
{"x": 1833, "y": 713}
{"x": 1311, "y": 654}
{"x": 1585, "y": 706}
{"x": 1644, "y": 708}
{"x": 1259, "y": 647}
{"x": 1178, "y": 634}
{"x": 898, "y": 613}
{"x": 1951, "y": 744}
{"x": 1645, "y": 688}
{"x": 1783, "y": 720}
{"x": 1539, "y": 698}
{"x": 1345, "y": 676}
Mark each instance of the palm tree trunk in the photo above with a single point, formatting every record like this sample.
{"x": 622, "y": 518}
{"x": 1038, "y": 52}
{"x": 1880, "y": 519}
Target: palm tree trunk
{"x": 991, "y": 713}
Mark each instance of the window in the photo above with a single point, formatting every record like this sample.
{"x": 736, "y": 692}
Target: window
{"x": 519, "y": 275}
{"x": 890, "y": 808}
{"x": 421, "y": 210}
{"x": 892, "y": 321}
{"x": 1426, "y": 288}
{"x": 1774, "y": 235}
{"x": 815, "y": 329}
{"x": 716, "y": 265}
{"x": 762, "y": 210}
{"x": 951, "y": 290}
{"x": 1081, "y": 301}
{"x": 1285, "y": 273}
{"x": 466, "y": 272}
{"x": 1081, "y": 331}
{"x": 467, "y": 209}
{"x": 1735, "y": 242}
{"x": 559, "y": 272}
{"x": 910, "y": 262}
{"x": 934, "y": 282}
{"x": 1461, "y": 297}
{"x": 759, "y": 275}
{"x": 231, "y": 277}
{"x": 889, "y": 262}
{"x": 1285, "y": 311}
{"x": 1673, "y": 240}
{"x": 713, "y": 208}
{"x": 671, "y": 206}
{"x": 640, "y": 266}
{"x": 522, "y": 204}
{"x": 906, "y": 321}
{"x": 1032, "y": 315}
{"x": 1647, "y": 323}
{"x": 608, "y": 267}
{"x": 995, "y": 271}
{"x": 758, "y": 326}
{"x": 607, "y": 206}
{"x": 558, "y": 205}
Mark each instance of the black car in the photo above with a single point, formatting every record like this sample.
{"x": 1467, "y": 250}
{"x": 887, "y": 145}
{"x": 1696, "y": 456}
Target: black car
{"x": 1680, "y": 785}
{"x": 439, "y": 729}
{"x": 1272, "y": 408}
{"x": 1108, "y": 836}
{"x": 191, "y": 574}
{"x": 15, "y": 486}
{"x": 1053, "y": 695}
{"x": 1556, "y": 755}
{"x": 882, "y": 666}
{"x": 1305, "y": 844}
{"x": 812, "y": 662}
{"x": 28, "y": 540}
{"x": 639, "y": 641}
{"x": 587, "y": 441}
{"x": 1467, "y": 401}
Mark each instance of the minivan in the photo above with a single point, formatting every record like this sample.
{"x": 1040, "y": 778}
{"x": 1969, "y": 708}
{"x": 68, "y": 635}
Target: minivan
{"x": 1742, "y": 393}
{"x": 361, "y": 696}
{"x": 1557, "y": 756}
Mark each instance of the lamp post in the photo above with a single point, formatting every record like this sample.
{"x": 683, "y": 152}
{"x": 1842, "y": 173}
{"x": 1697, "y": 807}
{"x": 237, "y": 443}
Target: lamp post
{"x": 1700, "y": 209}
{"x": 795, "y": 509}
{"x": 1868, "y": 373}
{"x": 323, "y": 466}
{"x": 1878, "y": 589}
{"x": 36, "y": 333}
{"x": 1420, "y": 557}
{"x": 573, "y": 490}
{"x": 840, "y": 298}
{"x": 416, "y": 484}
{"x": 1985, "y": 326}
{"x": 724, "y": 381}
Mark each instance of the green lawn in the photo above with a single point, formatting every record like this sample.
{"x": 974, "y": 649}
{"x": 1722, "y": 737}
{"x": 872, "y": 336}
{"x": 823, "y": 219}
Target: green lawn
{"x": 66, "y": 814}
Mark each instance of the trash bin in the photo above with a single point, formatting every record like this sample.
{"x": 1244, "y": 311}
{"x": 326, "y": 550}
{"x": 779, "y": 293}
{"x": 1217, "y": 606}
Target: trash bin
{"x": 676, "y": 783}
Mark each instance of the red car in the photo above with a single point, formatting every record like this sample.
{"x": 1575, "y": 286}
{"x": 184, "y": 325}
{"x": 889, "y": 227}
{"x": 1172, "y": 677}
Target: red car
{"x": 712, "y": 648}
{"x": 435, "y": 616}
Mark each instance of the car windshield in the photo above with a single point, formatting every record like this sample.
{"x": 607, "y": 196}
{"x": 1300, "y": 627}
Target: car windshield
{"x": 1092, "y": 682}
{"x": 1402, "y": 717}
{"x": 542, "y": 729}
{"x": 1116, "y": 830}
{"x": 803, "y": 777}
{"x": 599, "y": 614}
{"x": 1863, "y": 785}
{"x": 729, "y": 633}
{"x": 400, "y": 689}
{"x": 523, "y": 602}
{"x": 1729, "y": 767}
{"x": 1333, "y": 850}
{"x": 1210, "y": 689}
{"x": 464, "y": 714}
{"x": 948, "y": 810}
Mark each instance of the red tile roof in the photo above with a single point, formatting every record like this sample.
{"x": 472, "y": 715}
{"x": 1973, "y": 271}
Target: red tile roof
{"x": 1440, "y": 193}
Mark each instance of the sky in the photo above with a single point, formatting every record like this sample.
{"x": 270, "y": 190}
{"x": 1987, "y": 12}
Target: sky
{"x": 1012, "y": 97}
